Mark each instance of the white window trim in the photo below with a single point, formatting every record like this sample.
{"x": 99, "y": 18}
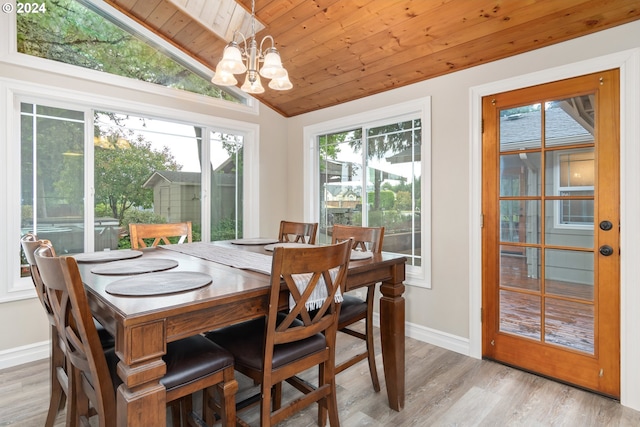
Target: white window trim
{"x": 10, "y": 55}
{"x": 12, "y": 287}
{"x": 419, "y": 276}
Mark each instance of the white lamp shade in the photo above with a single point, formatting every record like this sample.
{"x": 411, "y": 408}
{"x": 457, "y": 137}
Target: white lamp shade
{"x": 255, "y": 87}
{"x": 272, "y": 67}
{"x": 282, "y": 83}
{"x": 231, "y": 61}
{"x": 223, "y": 78}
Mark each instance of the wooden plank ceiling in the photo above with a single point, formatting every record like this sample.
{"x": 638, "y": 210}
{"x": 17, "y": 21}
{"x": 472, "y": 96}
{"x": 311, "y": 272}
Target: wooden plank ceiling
{"x": 340, "y": 50}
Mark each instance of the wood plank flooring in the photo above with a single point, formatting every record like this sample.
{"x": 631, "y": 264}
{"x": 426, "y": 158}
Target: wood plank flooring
{"x": 443, "y": 389}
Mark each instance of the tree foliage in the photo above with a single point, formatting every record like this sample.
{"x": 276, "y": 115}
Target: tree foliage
{"x": 71, "y": 33}
{"x": 122, "y": 169}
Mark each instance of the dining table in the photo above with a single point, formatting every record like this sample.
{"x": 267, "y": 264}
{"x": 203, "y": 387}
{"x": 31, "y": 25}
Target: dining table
{"x": 145, "y": 300}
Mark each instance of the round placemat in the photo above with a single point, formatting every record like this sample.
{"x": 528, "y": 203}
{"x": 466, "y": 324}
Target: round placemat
{"x": 286, "y": 245}
{"x": 165, "y": 282}
{"x": 135, "y": 266}
{"x": 107, "y": 256}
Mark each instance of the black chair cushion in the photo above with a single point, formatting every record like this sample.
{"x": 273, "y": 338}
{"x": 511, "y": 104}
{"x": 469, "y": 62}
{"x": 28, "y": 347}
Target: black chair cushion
{"x": 351, "y": 307}
{"x": 187, "y": 360}
{"x": 246, "y": 342}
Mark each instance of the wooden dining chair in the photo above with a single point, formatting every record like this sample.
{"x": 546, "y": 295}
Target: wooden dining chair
{"x": 298, "y": 232}
{"x": 355, "y": 309}
{"x": 192, "y": 363}
{"x": 277, "y": 347}
{"x": 160, "y": 233}
{"x": 58, "y": 377}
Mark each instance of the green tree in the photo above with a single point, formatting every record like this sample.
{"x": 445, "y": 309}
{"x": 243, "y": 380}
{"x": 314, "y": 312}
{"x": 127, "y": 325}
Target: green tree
{"x": 121, "y": 169}
{"x": 70, "y": 32}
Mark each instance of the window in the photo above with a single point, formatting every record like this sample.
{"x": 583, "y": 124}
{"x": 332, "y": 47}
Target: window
{"x": 144, "y": 169}
{"x": 369, "y": 170}
{"x": 92, "y": 35}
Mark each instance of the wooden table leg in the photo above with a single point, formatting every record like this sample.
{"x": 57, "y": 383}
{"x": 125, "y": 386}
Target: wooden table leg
{"x": 392, "y": 316}
{"x": 141, "y": 399}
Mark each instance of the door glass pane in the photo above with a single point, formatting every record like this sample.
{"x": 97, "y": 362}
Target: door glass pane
{"x": 52, "y": 182}
{"x": 520, "y": 267}
{"x": 226, "y": 186}
{"x": 569, "y": 273}
{"x": 520, "y": 314}
{"x": 520, "y": 174}
{"x": 560, "y": 231}
{"x": 520, "y": 221}
{"x": 146, "y": 170}
{"x": 575, "y": 331}
{"x": 570, "y": 171}
{"x": 569, "y": 121}
{"x": 520, "y": 128}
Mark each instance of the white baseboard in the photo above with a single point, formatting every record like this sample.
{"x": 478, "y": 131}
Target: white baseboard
{"x": 432, "y": 336}
{"x": 25, "y": 354}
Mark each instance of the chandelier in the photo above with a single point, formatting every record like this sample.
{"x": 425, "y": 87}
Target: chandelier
{"x": 237, "y": 59}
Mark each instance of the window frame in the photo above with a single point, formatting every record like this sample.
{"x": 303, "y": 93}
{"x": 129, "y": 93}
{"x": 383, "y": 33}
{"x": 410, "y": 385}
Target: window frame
{"x": 12, "y": 94}
{"x": 419, "y": 276}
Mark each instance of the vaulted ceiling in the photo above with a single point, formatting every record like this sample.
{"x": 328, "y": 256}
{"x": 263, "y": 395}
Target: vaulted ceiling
{"x": 340, "y": 50}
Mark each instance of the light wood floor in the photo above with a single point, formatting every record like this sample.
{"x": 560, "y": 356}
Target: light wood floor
{"x": 443, "y": 389}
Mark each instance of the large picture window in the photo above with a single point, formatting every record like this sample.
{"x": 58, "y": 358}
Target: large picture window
{"x": 144, "y": 169}
{"x": 371, "y": 173}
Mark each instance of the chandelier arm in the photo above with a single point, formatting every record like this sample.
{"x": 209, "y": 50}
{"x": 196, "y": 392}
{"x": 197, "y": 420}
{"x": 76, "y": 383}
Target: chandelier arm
{"x": 273, "y": 44}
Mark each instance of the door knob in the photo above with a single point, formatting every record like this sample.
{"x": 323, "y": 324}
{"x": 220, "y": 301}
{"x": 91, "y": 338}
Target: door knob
{"x": 606, "y": 250}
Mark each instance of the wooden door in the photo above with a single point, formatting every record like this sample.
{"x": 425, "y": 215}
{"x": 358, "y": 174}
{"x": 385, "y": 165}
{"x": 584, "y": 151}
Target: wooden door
{"x": 551, "y": 261}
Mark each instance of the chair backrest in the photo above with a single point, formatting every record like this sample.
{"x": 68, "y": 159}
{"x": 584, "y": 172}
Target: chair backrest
{"x": 303, "y": 271}
{"x": 160, "y": 233}
{"x": 29, "y": 244}
{"x": 364, "y": 238}
{"x": 298, "y": 232}
{"x": 90, "y": 378}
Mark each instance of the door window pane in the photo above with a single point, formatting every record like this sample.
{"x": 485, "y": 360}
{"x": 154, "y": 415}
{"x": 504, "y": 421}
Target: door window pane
{"x": 520, "y": 174}
{"x": 520, "y": 221}
{"x": 577, "y": 332}
{"x": 520, "y": 314}
{"x": 520, "y": 128}
{"x": 520, "y": 267}
{"x": 52, "y": 182}
{"x": 569, "y": 273}
{"x": 569, "y": 121}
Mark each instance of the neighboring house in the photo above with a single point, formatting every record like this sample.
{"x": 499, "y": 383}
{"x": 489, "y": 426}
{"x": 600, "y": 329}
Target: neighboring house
{"x": 176, "y": 195}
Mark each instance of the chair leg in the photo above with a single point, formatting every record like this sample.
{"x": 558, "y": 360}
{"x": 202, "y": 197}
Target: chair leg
{"x": 371, "y": 356}
{"x": 176, "y": 411}
{"x": 276, "y": 397}
{"x": 265, "y": 405}
{"x": 57, "y": 399}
